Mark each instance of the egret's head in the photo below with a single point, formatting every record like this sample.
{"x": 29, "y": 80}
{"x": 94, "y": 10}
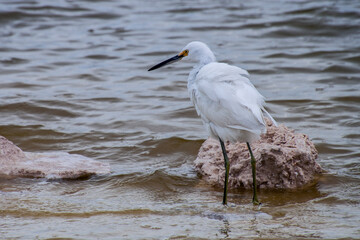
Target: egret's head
{"x": 196, "y": 51}
{"x": 199, "y": 52}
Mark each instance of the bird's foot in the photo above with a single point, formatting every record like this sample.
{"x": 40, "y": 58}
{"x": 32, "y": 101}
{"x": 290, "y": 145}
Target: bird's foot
{"x": 256, "y": 202}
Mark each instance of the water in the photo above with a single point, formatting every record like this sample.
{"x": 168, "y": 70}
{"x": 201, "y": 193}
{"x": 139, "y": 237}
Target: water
{"x": 74, "y": 78}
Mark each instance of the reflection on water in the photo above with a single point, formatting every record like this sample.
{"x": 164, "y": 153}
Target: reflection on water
{"x": 73, "y": 78}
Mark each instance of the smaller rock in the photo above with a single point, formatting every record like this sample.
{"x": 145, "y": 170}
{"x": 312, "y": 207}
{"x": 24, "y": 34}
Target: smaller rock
{"x": 284, "y": 159}
{"x": 15, "y": 162}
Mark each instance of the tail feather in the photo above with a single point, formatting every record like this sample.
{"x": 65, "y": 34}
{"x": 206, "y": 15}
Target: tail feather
{"x": 269, "y": 116}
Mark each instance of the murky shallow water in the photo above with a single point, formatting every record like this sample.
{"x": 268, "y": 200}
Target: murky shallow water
{"x": 73, "y": 77}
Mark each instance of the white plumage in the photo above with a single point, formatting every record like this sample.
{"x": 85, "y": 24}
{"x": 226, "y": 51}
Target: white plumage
{"x": 227, "y": 102}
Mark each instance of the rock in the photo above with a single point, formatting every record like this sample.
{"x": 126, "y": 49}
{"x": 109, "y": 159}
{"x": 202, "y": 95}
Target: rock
{"x": 284, "y": 160}
{"x": 15, "y": 162}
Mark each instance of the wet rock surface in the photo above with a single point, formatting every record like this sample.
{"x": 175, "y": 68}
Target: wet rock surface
{"x": 15, "y": 162}
{"x": 284, "y": 160}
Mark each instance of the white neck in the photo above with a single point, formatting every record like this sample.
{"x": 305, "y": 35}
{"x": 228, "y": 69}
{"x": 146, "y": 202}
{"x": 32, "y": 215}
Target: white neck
{"x": 202, "y": 55}
{"x": 198, "y": 66}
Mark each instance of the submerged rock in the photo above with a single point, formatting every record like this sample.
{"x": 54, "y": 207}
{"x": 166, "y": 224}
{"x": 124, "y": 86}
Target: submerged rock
{"x": 15, "y": 162}
{"x": 284, "y": 159}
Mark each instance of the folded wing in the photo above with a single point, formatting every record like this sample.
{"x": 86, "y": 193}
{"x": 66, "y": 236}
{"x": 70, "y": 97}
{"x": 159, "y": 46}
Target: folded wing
{"x": 226, "y": 100}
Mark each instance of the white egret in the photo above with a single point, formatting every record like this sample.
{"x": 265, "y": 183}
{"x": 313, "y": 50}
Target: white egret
{"x": 228, "y": 103}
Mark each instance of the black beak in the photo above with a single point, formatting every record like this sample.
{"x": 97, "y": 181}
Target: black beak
{"x": 166, "y": 62}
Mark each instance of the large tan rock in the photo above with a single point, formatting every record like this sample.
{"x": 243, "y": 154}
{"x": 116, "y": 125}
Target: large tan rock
{"x": 284, "y": 159}
{"x": 15, "y": 162}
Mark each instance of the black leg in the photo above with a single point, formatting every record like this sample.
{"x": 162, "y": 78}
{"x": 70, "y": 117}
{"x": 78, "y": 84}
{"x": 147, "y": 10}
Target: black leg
{"x": 227, "y": 167}
{"x": 253, "y": 168}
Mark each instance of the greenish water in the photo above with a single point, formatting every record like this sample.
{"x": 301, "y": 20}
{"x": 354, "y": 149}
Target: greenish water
{"x": 73, "y": 78}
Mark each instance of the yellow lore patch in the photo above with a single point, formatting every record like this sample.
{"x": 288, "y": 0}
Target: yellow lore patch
{"x": 184, "y": 53}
